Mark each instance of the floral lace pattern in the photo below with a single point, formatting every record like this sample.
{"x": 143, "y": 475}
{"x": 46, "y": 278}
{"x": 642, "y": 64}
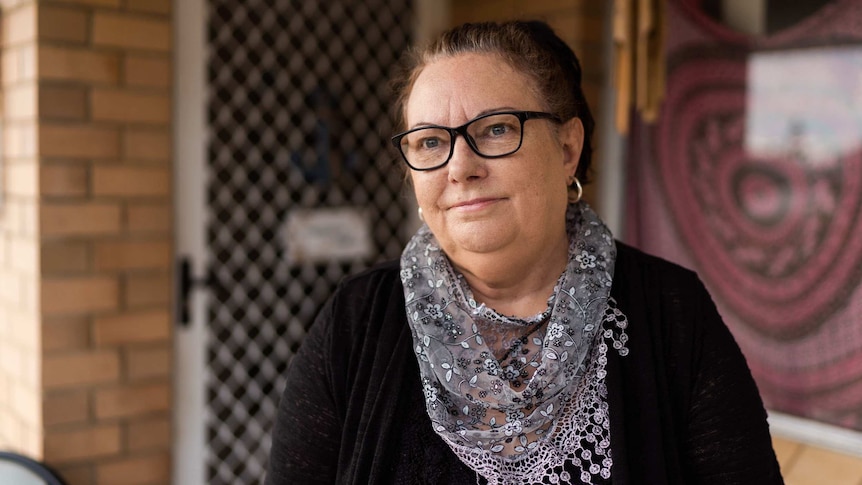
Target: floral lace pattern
{"x": 581, "y": 436}
{"x": 511, "y": 411}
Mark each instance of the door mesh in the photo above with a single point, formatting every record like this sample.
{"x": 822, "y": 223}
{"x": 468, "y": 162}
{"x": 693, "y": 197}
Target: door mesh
{"x": 297, "y": 119}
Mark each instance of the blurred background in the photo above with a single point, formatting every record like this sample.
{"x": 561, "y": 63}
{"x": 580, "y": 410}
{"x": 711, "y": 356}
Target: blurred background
{"x": 185, "y": 182}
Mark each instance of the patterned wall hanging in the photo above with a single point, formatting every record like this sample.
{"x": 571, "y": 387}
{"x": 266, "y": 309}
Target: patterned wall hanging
{"x": 753, "y": 177}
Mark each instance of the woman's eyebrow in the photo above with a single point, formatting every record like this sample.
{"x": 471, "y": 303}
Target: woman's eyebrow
{"x": 421, "y": 124}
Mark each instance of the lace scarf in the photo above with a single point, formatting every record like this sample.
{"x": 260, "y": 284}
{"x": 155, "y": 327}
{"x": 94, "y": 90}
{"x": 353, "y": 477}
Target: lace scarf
{"x": 500, "y": 432}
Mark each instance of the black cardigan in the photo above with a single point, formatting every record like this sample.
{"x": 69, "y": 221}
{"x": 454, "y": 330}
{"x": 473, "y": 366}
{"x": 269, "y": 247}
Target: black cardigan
{"x": 683, "y": 405}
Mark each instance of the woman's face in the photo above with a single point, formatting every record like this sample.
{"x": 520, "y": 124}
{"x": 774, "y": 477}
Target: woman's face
{"x": 474, "y": 205}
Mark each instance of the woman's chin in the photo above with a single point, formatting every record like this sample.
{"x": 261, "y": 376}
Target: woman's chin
{"x": 480, "y": 238}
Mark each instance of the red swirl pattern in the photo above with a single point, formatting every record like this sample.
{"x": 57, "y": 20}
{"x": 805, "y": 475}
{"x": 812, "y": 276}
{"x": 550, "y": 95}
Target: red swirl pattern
{"x": 753, "y": 177}
{"x": 777, "y": 237}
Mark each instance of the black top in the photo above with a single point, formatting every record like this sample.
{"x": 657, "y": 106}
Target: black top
{"x": 683, "y": 405}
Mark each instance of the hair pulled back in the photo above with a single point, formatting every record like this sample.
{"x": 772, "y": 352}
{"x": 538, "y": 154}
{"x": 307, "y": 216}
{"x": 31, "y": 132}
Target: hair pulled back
{"x": 530, "y": 47}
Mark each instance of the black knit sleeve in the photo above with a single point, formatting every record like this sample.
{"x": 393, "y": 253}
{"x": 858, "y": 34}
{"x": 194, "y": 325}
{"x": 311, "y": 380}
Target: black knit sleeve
{"x": 306, "y": 436}
{"x": 727, "y": 437}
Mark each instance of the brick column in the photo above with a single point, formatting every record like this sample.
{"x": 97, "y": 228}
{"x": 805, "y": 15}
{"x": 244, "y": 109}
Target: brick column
{"x": 86, "y": 237}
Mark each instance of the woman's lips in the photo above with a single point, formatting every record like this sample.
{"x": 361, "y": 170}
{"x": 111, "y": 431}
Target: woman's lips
{"x": 475, "y": 204}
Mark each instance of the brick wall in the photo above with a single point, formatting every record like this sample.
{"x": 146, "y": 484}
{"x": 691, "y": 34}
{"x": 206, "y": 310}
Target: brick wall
{"x": 86, "y": 237}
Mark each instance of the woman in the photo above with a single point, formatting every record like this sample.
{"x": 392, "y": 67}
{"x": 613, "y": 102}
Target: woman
{"x": 515, "y": 341}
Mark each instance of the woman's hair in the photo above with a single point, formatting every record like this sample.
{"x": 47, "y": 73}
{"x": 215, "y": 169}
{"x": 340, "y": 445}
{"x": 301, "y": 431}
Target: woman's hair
{"x": 530, "y": 47}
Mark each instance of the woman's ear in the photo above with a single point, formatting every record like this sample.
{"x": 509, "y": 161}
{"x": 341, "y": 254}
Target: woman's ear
{"x": 572, "y": 142}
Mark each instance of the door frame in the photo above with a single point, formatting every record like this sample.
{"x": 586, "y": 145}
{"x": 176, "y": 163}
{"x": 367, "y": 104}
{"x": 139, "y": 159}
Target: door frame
{"x": 190, "y": 137}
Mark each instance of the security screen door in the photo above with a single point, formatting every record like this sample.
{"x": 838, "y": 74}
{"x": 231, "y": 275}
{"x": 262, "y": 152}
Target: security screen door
{"x": 301, "y": 189}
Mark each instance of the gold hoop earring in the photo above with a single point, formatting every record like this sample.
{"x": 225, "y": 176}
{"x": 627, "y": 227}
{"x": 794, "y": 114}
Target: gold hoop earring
{"x": 419, "y": 211}
{"x": 575, "y": 191}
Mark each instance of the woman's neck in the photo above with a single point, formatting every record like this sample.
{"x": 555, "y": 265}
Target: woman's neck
{"x": 515, "y": 284}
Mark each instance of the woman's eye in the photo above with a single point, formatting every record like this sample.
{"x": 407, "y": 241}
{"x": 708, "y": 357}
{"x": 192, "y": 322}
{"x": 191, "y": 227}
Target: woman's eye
{"x": 430, "y": 143}
{"x": 498, "y": 130}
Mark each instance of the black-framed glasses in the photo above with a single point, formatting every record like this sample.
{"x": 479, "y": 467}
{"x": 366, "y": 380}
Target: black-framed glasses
{"x": 493, "y": 135}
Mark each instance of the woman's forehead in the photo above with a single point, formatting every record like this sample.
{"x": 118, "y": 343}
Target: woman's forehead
{"x": 465, "y": 85}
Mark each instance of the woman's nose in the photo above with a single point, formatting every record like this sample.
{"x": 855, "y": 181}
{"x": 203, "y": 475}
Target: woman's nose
{"x": 465, "y": 164}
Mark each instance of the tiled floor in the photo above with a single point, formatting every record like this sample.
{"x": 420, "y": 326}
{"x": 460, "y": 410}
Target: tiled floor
{"x": 807, "y": 465}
